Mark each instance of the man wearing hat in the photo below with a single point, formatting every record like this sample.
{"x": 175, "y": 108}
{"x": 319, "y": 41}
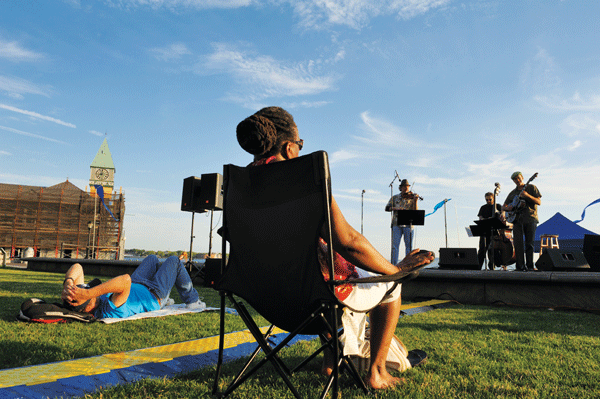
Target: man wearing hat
{"x": 526, "y": 219}
{"x": 406, "y": 200}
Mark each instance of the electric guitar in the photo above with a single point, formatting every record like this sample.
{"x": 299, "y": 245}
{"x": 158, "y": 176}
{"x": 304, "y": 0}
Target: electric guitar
{"x": 518, "y": 204}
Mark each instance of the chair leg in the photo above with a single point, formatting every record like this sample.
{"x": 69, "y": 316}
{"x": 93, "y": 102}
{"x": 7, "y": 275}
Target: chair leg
{"x": 270, "y": 354}
{"x": 262, "y": 341}
{"x": 252, "y": 356}
{"x": 336, "y": 356}
{"x": 221, "y": 343}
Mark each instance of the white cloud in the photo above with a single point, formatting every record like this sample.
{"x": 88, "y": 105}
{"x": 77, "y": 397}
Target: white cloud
{"x": 16, "y": 87}
{"x": 575, "y": 145}
{"x": 96, "y": 133}
{"x": 540, "y": 73}
{"x": 411, "y": 8}
{"x": 36, "y": 115}
{"x": 422, "y": 162}
{"x": 176, "y": 4}
{"x": 37, "y": 136}
{"x": 173, "y": 52}
{"x": 339, "y": 56}
{"x": 313, "y": 14}
{"x": 496, "y": 166}
{"x": 73, "y": 3}
{"x": 304, "y": 104}
{"x": 382, "y": 140}
{"x": 264, "y": 76}
{"x": 381, "y": 132}
{"x": 13, "y": 51}
{"x": 575, "y": 103}
{"x": 316, "y": 14}
{"x": 579, "y": 124}
{"x": 5, "y": 153}
{"x": 342, "y": 155}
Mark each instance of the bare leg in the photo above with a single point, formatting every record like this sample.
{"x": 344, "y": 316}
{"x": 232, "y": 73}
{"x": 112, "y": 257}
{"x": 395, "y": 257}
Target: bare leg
{"x": 327, "y": 367}
{"x": 383, "y": 324}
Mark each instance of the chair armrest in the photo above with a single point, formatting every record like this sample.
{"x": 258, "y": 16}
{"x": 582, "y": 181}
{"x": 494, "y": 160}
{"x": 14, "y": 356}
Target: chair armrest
{"x": 384, "y": 278}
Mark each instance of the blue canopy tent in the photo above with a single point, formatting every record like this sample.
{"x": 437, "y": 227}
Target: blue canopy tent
{"x": 570, "y": 234}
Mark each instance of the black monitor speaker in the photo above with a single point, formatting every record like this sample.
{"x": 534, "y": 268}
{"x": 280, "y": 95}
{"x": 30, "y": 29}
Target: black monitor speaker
{"x": 201, "y": 194}
{"x": 591, "y": 251}
{"x": 211, "y": 193}
{"x": 190, "y": 198}
{"x": 556, "y": 259}
{"x": 459, "y": 258}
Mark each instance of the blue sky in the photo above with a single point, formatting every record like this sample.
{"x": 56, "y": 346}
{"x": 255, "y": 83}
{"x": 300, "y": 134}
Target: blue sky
{"x": 452, "y": 95}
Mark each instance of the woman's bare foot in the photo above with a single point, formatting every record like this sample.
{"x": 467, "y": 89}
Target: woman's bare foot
{"x": 382, "y": 379}
{"x": 415, "y": 259}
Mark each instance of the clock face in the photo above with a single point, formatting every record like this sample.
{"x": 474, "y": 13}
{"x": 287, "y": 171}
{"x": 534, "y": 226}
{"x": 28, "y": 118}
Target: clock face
{"x": 102, "y": 174}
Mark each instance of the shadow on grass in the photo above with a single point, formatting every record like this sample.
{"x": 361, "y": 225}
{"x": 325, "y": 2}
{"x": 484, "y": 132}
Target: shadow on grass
{"x": 308, "y": 381}
{"x": 511, "y": 320}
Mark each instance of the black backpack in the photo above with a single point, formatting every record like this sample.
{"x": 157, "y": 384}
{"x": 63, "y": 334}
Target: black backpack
{"x": 38, "y": 311}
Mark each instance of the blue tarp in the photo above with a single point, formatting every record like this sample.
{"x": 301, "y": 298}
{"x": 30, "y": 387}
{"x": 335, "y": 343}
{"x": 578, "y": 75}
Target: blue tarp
{"x": 570, "y": 234}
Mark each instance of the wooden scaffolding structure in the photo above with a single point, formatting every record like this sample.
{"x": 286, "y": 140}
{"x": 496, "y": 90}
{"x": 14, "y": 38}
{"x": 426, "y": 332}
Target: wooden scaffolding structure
{"x": 60, "y": 221}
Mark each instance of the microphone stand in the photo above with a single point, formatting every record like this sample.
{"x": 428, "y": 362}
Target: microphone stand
{"x": 392, "y": 214}
{"x": 362, "y": 205}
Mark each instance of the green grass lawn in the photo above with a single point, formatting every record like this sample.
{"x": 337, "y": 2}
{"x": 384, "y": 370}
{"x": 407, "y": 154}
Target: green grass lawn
{"x": 474, "y": 351}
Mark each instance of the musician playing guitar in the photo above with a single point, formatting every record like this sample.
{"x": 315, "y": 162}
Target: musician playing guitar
{"x": 521, "y": 206}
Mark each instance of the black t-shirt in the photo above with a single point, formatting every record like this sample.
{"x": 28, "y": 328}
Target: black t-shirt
{"x": 487, "y": 210}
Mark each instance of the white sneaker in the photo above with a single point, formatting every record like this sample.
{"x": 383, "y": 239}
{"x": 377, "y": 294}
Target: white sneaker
{"x": 196, "y": 305}
{"x": 167, "y": 302}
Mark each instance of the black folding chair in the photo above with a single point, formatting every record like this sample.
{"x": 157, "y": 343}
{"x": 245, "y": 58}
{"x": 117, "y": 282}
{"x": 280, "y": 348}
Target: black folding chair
{"x": 272, "y": 219}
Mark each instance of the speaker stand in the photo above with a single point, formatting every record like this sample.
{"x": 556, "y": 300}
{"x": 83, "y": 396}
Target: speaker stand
{"x": 210, "y": 234}
{"x": 190, "y": 264}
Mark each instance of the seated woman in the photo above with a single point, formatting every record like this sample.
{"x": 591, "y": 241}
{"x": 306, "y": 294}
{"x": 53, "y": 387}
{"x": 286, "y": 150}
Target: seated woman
{"x": 271, "y": 135}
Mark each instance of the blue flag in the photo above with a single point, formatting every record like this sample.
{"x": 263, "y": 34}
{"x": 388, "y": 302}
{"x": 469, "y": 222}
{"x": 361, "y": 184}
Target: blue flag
{"x": 100, "y": 192}
{"x": 583, "y": 214}
{"x": 438, "y": 206}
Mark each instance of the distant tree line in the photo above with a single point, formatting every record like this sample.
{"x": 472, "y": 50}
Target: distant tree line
{"x": 142, "y": 253}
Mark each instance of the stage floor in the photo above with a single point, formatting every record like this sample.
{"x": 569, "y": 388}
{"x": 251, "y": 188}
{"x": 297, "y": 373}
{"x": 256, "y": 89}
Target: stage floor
{"x": 573, "y": 289}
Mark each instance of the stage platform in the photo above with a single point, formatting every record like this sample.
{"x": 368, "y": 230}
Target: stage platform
{"x": 574, "y": 289}
{"x": 96, "y": 267}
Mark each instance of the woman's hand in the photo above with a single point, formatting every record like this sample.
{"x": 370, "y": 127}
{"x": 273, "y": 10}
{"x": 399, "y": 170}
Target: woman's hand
{"x": 415, "y": 259}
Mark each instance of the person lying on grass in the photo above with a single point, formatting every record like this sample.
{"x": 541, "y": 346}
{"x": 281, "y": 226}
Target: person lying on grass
{"x": 145, "y": 290}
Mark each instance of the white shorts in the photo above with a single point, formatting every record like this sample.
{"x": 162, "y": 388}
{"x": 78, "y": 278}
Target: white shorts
{"x": 365, "y": 297}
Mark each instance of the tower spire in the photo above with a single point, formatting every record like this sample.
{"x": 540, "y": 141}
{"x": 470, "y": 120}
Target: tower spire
{"x": 102, "y": 170}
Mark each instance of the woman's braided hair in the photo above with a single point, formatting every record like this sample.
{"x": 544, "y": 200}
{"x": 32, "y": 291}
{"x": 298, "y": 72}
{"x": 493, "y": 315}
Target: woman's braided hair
{"x": 264, "y": 133}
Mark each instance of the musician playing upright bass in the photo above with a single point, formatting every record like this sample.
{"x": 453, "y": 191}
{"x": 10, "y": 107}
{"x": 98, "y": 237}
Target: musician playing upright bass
{"x": 521, "y": 204}
{"x": 486, "y": 211}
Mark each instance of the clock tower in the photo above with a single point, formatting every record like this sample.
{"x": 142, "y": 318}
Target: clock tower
{"x": 102, "y": 171}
